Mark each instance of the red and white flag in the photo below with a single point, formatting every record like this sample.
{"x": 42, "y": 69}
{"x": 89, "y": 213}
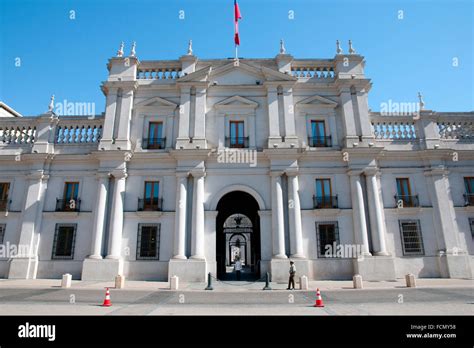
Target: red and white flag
{"x": 237, "y": 16}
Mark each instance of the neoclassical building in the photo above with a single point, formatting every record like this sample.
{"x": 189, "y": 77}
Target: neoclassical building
{"x": 198, "y": 162}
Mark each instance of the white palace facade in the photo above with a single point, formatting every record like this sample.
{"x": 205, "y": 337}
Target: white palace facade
{"x": 197, "y": 162}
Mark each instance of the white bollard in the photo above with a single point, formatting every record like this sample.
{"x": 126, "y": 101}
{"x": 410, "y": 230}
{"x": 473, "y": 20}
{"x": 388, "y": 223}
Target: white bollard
{"x": 304, "y": 283}
{"x": 357, "y": 281}
{"x": 119, "y": 282}
{"x": 410, "y": 280}
{"x": 66, "y": 280}
{"x": 174, "y": 283}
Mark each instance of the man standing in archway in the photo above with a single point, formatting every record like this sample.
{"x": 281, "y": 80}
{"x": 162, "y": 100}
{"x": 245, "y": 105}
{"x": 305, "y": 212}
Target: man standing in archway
{"x": 238, "y": 268}
{"x": 291, "y": 281}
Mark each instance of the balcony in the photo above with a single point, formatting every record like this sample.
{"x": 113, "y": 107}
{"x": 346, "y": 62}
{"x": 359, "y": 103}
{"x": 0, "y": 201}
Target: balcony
{"x": 468, "y": 199}
{"x": 237, "y": 142}
{"x": 149, "y": 204}
{"x": 325, "y": 202}
{"x": 404, "y": 201}
{"x": 154, "y": 143}
{"x": 5, "y": 204}
{"x": 68, "y": 205}
{"x": 323, "y": 141}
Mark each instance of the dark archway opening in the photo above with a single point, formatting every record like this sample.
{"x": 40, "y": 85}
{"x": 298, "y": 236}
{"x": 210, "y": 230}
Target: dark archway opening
{"x": 238, "y": 233}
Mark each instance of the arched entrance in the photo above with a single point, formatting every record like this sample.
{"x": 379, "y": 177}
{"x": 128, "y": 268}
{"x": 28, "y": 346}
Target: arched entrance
{"x": 238, "y": 236}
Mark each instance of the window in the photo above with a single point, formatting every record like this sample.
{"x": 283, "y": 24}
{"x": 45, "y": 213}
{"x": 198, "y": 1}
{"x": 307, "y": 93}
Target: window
{"x": 318, "y": 134}
{"x": 4, "y": 190}
{"x": 469, "y": 195}
{"x": 324, "y": 197}
{"x": 327, "y": 238}
{"x": 148, "y": 242}
{"x": 471, "y": 225}
{"x": 151, "y": 201}
{"x": 64, "y": 239}
{"x": 2, "y": 232}
{"x": 155, "y": 136}
{"x": 70, "y": 201}
{"x": 237, "y": 136}
{"x": 404, "y": 197}
{"x": 412, "y": 241}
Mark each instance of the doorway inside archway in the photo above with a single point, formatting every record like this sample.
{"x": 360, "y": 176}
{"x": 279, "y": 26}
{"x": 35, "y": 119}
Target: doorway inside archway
{"x": 238, "y": 236}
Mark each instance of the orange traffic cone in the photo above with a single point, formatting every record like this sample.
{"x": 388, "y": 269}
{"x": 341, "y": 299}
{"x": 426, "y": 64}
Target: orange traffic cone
{"x": 319, "y": 299}
{"x": 107, "y": 302}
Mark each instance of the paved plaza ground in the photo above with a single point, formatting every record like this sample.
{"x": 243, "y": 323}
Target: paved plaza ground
{"x": 46, "y": 297}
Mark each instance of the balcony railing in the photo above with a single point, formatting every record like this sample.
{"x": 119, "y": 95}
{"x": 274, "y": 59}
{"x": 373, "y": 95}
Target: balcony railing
{"x": 325, "y": 202}
{"x": 154, "y": 143}
{"x": 469, "y": 199}
{"x": 68, "y": 204}
{"x": 404, "y": 201}
{"x": 5, "y": 204}
{"x": 320, "y": 141}
{"x": 148, "y": 204}
{"x": 237, "y": 142}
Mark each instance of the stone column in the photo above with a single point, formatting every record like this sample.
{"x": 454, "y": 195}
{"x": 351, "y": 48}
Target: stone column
{"x": 358, "y": 212}
{"x": 99, "y": 216}
{"x": 199, "y": 138}
{"x": 274, "y": 136}
{"x": 184, "y": 115}
{"x": 289, "y": 117}
{"x": 197, "y": 240}
{"x": 296, "y": 234}
{"x": 115, "y": 239}
{"x": 376, "y": 214}
{"x": 180, "y": 216}
{"x": 24, "y": 266}
{"x": 350, "y": 130}
{"x": 278, "y": 226}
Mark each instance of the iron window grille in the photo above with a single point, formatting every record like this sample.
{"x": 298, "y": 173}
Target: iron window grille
{"x": 148, "y": 242}
{"x": 327, "y": 235}
{"x": 2, "y": 232}
{"x": 412, "y": 240}
{"x": 64, "y": 242}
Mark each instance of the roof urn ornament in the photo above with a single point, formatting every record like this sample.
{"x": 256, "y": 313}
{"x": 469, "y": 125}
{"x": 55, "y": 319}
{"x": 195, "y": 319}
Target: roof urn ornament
{"x": 421, "y": 101}
{"x": 190, "y": 48}
{"x": 282, "y": 47}
{"x": 351, "y": 49}
{"x": 338, "y": 47}
{"x": 51, "y": 104}
{"x": 132, "y": 51}
{"x": 120, "y": 51}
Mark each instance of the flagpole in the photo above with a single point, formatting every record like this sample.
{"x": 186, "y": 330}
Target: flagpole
{"x": 236, "y": 52}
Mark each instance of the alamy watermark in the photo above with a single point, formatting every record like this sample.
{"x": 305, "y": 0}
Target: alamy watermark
{"x": 237, "y": 156}
{"x": 350, "y": 251}
{"x": 68, "y": 108}
{"x": 8, "y": 250}
{"x": 394, "y": 108}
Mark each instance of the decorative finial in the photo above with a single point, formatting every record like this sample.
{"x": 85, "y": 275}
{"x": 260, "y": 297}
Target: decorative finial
{"x": 351, "y": 49}
{"x": 51, "y": 104}
{"x": 120, "y": 51}
{"x": 338, "y": 47}
{"x": 132, "y": 51}
{"x": 422, "y": 103}
{"x": 282, "y": 47}
{"x": 190, "y": 48}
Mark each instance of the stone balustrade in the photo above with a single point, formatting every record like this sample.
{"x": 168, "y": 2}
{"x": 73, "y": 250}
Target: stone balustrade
{"x": 312, "y": 69}
{"x": 78, "y": 130}
{"x": 395, "y": 128}
{"x": 159, "y": 70}
{"x": 458, "y": 127}
{"x": 18, "y": 131}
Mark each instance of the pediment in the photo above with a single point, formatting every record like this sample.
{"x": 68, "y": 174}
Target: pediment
{"x": 317, "y": 101}
{"x": 236, "y": 102}
{"x": 156, "y": 102}
{"x": 236, "y": 73}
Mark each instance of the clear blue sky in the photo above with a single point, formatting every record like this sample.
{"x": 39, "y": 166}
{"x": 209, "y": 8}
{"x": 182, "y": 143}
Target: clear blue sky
{"x": 68, "y": 57}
